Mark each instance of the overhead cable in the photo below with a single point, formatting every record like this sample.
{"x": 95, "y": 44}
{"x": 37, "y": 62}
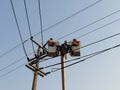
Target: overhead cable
{"x": 89, "y": 24}
{"x": 99, "y": 52}
{"x": 99, "y": 28}
{"x": 55, "y": 57}
{"x": 2, "y": 55}
{"x": 40, "y": 16}
{"x": 11, "y": 70}
{"x": 117, "y": 34}
{"x": 69, "y": 17}
{"x": 18, "y": 28}
{"x": 87, "y": 56}
{"x": 71, "y": 32}
{"x": 67, "y": 34}
{"x": 84, "y": 47}
{"x": 28, "y": 22}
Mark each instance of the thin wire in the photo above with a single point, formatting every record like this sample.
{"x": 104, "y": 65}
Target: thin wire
{"x": 65, "y": 35}
{"x": 3, "y": 75}
{"x": 99, "y": 28}
{"x": 100, "y": 40}
{"x": 88, "y": 44}
{"x": 87, "y": 58}
{"x": 41, "y": 26}
{"x": 55, "y": 57}
{"x": 29, "y": 25}
{"x": 18, "y": 28}
{"x": 4, "y": 54}
{"x": 90, "y": 55}
{"x": 84, "y": 47}
{"x": 70, "y": 60}
{"x": 80, "y": 11}
{"x": 13, "y": 63}
{"x": 89, "y": 24}
{"x": 57, "y": 69}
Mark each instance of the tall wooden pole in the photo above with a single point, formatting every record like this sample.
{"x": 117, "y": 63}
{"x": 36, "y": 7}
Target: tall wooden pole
{"x": 36, "y": 71}
{"x": 63, "y": 72}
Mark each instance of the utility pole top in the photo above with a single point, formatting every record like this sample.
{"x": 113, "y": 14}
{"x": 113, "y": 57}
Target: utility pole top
{"x": 54, "y": 50}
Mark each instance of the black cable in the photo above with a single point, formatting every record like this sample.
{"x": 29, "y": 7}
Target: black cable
{"x": 70, "y": 16}
{"x": 65, "y": 35}
{"x": 18, "y": 28}
{"x": 66, "y": 61}
{"x": 2, "y": 55}
{"x": 70, "y": 60}
{"x": 13, "y": 63}
{"x": 90, "y": 55}
{"x": 11, "y": 70}
{"x": 89, "y": 24}
{"x": 100, "y": 40}
{"x": 40, "y": 16}
{"x": 99, "y": 28}
{"x": 28, "y": 22}
{"x": 88, "y": 44}
{"x": 85, "y": 55}
{"x": 57, "y": 69}
{"x": 100, "y": 52}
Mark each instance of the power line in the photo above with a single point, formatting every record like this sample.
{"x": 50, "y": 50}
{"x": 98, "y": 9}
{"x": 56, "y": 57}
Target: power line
{"x": 90, "y": 55}
{"x": 90, "y": 44}
{"x": 100, "y": 52}
{"x": 12, "y": 70}
{"x": 84, "y": 47}
{"x": 89, "y": 24}
{"x": 40, "y": 16}
{"x": 28, "y": 24}
{"x": 100, "y": 40}
{"x": 2, "y": 55}
{"x": 67, "y": 34}
{"x": 99, "y": 28}
{"x": 73, "y": 32}
{"x": 18, "y": 28}
{"x": 69, "y": 17}
{"x": 59, "y": 22}
{"x": 69, "y": 60}
{"x": 13, "y": 63}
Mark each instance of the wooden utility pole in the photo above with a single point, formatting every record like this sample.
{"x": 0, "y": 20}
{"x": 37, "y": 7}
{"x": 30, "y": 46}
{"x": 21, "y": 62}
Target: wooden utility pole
{"x": 36, "y": 70}
{"x": 63, "y": 72}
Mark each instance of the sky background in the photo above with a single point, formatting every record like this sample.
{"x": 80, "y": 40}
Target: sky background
{"x": 97, "y": 73}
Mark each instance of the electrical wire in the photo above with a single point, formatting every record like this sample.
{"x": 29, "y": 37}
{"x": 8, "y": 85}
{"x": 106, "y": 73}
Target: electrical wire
{"x": 65, "y": 35}
{"x": 40, "y": 16}
{"x": 69, "y": 60}
{"x": 99, "y": 28}
{"x": 3, "y": 75}
{"x": 18, "y": 28}
{"x": 109, "y": 37}
{"x": 100, "y": 52}
{"x": 76, "y": 13}
{"x": 117, "y": 34}
{"x": 13, "y": 63}
{"x": 88, "y": 56}
{"x": 89, "y": 24}
{"x": 84, "y": 47}
{"x": 57, "y": 69}
{"x": 6, "y": 67}
{"x": 28, "y": 22}
{"x": 4, "y": 54}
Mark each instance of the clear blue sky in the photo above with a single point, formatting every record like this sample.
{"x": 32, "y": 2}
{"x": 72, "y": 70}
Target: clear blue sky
{"x": 97, "y": 73}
